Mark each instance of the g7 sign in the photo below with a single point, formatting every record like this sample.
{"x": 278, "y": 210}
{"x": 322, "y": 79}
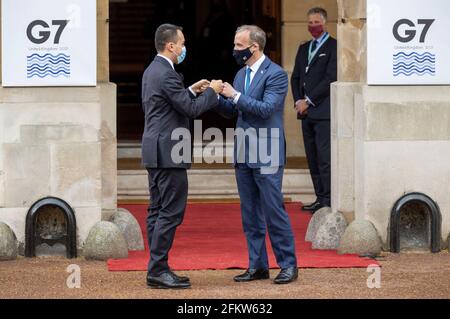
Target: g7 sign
{"x": 45, "y": 35}
{"x": 408, "y": 42}
{"x": 410, "y": 34}
{"x": 49, "y": 43}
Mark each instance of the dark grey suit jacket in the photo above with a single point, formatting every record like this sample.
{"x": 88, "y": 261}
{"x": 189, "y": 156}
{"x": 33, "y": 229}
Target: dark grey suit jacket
{"x": 168, "y": 106}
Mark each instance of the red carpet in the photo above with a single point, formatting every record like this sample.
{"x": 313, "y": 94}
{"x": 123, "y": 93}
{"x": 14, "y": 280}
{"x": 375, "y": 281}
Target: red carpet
{"x": 211, "y": 237}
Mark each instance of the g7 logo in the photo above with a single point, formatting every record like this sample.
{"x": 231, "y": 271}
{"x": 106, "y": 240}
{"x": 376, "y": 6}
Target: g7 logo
{"x": 45, "y": 35}
{"x": 410, "y": 34}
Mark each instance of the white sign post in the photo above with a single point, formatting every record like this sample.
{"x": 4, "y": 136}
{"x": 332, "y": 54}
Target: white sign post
{"x": 408, "y": 42}
{"x": 49, "y": 43}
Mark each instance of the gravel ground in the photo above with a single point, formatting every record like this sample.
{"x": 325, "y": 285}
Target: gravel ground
{"x": 402, "y": 276}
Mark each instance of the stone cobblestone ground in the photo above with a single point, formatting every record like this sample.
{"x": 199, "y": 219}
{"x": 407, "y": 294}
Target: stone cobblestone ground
{"x": 402, "y": 276}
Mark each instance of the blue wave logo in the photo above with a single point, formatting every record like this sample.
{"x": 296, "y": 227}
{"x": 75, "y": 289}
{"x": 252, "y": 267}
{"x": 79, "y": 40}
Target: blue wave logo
{"x": 414, "y": 64}
{"x": 48, "y": 65}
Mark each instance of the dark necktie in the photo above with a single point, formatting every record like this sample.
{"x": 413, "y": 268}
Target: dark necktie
{"x": 314, "y": 45}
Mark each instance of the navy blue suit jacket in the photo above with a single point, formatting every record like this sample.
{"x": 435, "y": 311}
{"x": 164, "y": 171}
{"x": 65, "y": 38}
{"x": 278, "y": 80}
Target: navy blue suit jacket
{"x": 260, "y": 110}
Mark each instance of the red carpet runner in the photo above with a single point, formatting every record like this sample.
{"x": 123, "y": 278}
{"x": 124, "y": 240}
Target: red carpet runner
{"x": 211, "y": 237}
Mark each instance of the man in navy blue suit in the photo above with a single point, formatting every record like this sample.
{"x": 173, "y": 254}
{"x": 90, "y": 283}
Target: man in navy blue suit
{"x": 315, "y": 69}
{"x": 257, "y": 98}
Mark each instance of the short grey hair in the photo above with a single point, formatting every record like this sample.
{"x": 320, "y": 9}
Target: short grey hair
{"x": 318, "y": 10}
{"x": 257, "y": 35}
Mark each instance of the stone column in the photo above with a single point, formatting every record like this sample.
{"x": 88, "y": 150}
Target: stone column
{"x": 351, "y": 76}
{"x": 61, "y": 142}
{"x": 108, "y": 100}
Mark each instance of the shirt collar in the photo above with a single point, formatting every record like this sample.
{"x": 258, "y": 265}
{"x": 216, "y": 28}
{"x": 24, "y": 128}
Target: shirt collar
{"x": 168, "y": 60}
{"x": 255, "y": 67}
{"x": 319, "y": 40}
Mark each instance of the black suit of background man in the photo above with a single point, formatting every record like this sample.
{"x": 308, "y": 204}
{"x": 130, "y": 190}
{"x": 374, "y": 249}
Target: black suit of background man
{"x": 314, "y": 81}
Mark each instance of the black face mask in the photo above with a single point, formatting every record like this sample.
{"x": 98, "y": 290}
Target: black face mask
{"x": 242, "y": 56}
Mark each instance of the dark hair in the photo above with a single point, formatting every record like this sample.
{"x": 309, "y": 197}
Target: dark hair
{"x": 319, "y": 10}
{"x": 164, "y": 34}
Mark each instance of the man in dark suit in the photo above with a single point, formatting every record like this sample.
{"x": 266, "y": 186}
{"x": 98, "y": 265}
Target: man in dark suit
{"x": 315, "y": 69}
{"x": 257, "y": 99}
{"x": 168, "y": 106}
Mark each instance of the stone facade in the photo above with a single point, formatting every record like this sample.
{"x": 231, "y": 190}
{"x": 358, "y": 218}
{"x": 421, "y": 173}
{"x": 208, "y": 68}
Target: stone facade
{"x": 386, "y": 140}
{"x": 60, "y": 142}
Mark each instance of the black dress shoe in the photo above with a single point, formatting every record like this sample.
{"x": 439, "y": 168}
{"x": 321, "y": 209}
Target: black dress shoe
{"x": 312, "y": 207}
{"x": 253, "y": 274}
{"x": 167, "y": 280}
{"x": 286, "y": 276}
{"x": 180, "y": 278}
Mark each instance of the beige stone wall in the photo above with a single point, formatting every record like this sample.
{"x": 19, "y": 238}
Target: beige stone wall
{"x": 351, "y": 33}
{"x": 57, "y": 142}
{"x": 61, "y": 142}
{"x": 352, "y": 44}
{"x": 102, "y": 40}
{"x": 387, "y": 141}
{"x": 342, "y": 147}
{"x": 295, "y": 32}
{"x": 402, "y": 145}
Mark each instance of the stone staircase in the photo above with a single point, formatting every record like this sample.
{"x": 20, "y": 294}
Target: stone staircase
{"x": 206, "y": 182}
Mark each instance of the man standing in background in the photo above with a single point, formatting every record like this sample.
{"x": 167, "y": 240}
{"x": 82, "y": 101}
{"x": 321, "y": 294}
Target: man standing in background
{"x": 315, "y": 69}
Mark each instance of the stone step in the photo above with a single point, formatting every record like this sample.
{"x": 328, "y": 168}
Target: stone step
{"x": 214, "y": 184}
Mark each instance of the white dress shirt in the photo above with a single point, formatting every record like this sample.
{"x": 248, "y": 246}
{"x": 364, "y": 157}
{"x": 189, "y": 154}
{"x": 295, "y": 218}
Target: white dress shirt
{"x": 255, "y": 68}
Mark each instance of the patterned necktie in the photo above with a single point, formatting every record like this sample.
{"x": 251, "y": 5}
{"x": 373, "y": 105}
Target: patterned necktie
{"x": 247, "y": 79}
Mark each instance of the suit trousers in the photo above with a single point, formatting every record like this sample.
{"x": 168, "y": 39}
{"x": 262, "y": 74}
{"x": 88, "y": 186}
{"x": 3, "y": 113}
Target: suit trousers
{"x": 263, "y": 210}
{"x": 317, "y": 138}
{"x": 168, "y": 198}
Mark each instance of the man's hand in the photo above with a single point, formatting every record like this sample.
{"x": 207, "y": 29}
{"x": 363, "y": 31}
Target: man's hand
{"x": 217, "y": 86}
{"x": 200, "y": 86}
{"x": 302, "y": 107}
{"x": 228, "y": 90}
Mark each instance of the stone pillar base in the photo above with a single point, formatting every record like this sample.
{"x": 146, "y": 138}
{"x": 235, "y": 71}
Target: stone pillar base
{"x": 58, "y": 142}
{"x": 387, "y": 142}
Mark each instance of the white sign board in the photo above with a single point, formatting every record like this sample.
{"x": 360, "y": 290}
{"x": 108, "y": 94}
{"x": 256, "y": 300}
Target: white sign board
{"x": 408, "y": 42}
{"x": 49, "y": 42}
